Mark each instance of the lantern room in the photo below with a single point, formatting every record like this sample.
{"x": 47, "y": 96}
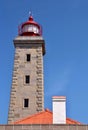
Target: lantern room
{"x": 30, "y": 28}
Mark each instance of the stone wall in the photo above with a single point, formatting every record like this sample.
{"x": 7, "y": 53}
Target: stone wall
{"x": 34, "y": 91}
{"x": 43, "y": 127}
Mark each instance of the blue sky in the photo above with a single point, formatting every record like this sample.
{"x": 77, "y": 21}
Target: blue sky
{"x": 65, "y": 30}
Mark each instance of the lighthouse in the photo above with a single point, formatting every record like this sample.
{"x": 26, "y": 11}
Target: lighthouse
{"x": 27, "y": 89}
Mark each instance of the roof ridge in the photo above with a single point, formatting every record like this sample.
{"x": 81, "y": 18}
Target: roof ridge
{"x": 43, "y": 113}
{"x": 73, "y": 120}
{"x": 47, "y": 110}
{"x": 31, "y": 116}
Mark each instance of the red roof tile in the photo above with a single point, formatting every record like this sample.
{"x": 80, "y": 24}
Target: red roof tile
{"x": 44, "y": 117}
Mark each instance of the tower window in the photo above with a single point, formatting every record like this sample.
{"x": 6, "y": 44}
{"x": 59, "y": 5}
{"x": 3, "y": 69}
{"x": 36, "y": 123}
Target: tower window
{"x": 27, "y": 79}
{"x": 26, "y": 102}
{"x": 28, "y": 57}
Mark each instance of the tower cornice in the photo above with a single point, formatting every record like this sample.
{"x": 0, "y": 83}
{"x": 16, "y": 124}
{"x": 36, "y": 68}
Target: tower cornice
{"x": 30, "y": 40}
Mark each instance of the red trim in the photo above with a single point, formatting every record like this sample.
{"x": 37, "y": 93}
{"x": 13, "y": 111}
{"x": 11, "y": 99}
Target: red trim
{"x": 30, "y": 22}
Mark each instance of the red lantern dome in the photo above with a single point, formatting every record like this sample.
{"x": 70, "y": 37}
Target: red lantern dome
{"x": 30, "y": 28}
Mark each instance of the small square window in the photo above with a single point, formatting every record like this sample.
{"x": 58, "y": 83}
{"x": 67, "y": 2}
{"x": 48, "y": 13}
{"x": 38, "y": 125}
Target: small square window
{"x": 26, "y": 102}
{"x": 27, "y": 79}
{"x": 28, "y": 57}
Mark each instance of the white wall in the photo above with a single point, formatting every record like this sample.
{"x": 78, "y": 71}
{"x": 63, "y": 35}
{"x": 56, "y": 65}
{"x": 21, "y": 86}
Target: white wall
{"x": 59, "y": 110}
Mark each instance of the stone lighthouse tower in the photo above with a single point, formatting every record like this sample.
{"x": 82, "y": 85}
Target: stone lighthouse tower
{"x": 27, "y": 92}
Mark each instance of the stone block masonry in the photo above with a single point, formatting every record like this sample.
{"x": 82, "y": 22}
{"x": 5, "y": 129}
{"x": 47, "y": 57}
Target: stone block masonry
{"x": 34, "y": 91}
{"x": 44, "y": 127}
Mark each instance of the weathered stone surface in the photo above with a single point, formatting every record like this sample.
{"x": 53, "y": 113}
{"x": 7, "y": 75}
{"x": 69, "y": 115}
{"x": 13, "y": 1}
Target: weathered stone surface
{"x": 34, "y": 91}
